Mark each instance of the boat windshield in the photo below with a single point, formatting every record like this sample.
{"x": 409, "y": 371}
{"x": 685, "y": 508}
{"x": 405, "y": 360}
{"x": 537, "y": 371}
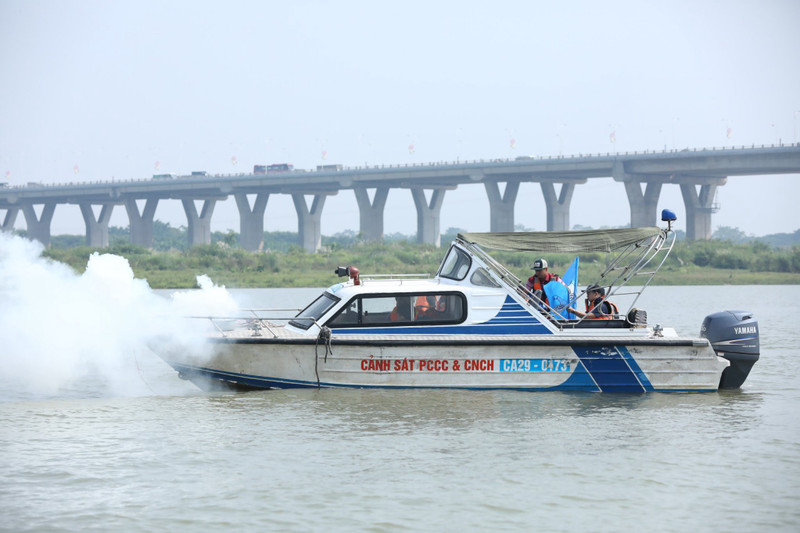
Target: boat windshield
{"x": 305, "y": 318}
{"x": 456, "y": 264}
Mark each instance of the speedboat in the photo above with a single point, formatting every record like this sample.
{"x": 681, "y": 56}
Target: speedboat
{"x": 475, "y": 325}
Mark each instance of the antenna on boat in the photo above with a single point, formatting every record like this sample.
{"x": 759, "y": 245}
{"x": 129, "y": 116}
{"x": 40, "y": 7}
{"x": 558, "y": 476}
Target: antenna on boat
{"x": 668, "y": 217}
{"x": 349, "y": 271}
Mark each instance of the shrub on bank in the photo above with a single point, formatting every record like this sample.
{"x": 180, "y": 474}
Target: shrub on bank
{"x": 295, "y": 266}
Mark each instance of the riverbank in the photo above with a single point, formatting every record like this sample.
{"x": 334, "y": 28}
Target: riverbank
{"x": 689, "y": 264}
{"x": 249, "y": 280}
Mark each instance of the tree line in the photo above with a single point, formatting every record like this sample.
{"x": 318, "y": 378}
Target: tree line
{"x": 172, "y": 263}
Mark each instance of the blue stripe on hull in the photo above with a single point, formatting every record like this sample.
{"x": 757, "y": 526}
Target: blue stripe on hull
{"x": 640, "y": 375}
{"x": 494, "y": 328}
{"x": 579, "y": 380}
{"x": 613, "y": 368}
{"x": 511, "y": 319}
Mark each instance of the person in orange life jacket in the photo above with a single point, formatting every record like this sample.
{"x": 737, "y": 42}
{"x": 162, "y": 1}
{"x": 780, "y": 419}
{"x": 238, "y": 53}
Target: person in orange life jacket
{"x": 596, "y": 307}
{"x": 401, "y": 309}
{"x": 540, "y": 278}
{"x": 425, "y": 307}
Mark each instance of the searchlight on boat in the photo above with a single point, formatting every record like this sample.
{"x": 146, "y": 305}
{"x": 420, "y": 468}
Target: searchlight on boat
{"x": 348, "y": 271}
{"x": 669, "y": 217}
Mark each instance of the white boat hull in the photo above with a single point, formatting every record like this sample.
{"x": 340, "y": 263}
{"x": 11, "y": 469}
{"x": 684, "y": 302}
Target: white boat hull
{"x": 465, "y": 362}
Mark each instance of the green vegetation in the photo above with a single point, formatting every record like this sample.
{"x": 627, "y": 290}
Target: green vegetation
{"x": 285, "y": 264}
{"x": 235, "y": 267}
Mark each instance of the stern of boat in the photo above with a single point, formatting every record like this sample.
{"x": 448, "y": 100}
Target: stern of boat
{"x": 734, "y": 336}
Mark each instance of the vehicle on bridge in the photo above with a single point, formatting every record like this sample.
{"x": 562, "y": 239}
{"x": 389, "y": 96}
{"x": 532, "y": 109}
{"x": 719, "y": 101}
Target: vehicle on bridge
{"x": 165, "y": 176}
{"x": 259, "y": 169}
{"x": 280, "y": 167}
{"x": 475, "y": 325}
{"x": 325, "y": 168}
{"x": 199, "y": 173}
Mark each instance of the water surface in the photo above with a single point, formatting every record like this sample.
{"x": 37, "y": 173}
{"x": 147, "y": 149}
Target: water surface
{"x": 171, "y": 458}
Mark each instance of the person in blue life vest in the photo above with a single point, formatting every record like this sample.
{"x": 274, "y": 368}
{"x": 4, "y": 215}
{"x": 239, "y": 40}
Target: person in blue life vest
{"x": 540, "y": 278}
{"x": 596, "y": 306}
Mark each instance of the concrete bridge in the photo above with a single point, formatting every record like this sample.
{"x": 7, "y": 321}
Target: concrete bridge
{"x": 698, "y": 173}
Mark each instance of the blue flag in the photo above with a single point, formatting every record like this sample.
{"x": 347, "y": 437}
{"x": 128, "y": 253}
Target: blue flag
{"x": 571, "y": 281}
{"x": 571, "y": 276}
{"x": 558, "y": 296}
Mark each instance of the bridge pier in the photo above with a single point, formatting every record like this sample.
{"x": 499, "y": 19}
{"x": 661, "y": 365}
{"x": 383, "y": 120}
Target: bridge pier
{"x": 39, "y": 227}
{"x": 371, "y": 212}
{"x": 9, "y": 219}
{"x": 699, "y": 207}
{"x": 644, "y": 205}
{"x": 251, "y": 220}
{"x": 309, "y": 221}
{"x": 557, "y": 207}
{"x": 428, "y": 215}
{"x": 501, "y": 208}
{"x": 96, "y": 229}
{"x": 199, "y": 225}
{"x": 141, "y": 224}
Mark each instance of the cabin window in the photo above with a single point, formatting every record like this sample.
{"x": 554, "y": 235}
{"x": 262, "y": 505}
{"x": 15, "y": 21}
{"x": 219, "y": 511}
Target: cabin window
{"x": 456, "y": 264}
{"x": 482, "y": 278}
{"x": 401, "y": 310}
{"x": 317, "y": 308}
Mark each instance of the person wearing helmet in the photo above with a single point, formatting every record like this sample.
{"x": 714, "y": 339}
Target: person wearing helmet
{"x": 540, "y": 278}
{"x": 596, "y": 304}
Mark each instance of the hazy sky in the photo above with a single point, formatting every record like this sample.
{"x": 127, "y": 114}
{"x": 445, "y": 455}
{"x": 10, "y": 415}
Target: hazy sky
{"x": 95, "y": 89}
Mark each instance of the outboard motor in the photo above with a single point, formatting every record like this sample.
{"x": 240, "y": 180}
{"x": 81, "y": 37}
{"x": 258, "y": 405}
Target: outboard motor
{"x": 734, "y": 336}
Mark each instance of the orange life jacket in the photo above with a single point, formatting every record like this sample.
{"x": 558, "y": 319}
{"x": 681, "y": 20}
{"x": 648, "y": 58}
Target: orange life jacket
{"x": 539, "y": 286}
{"x": 611, "y": 305}
{"x": 425, "y": 306}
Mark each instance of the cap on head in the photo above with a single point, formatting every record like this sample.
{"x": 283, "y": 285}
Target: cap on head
{"x": 594, "y": 287}
{"x": 539, "y": 264}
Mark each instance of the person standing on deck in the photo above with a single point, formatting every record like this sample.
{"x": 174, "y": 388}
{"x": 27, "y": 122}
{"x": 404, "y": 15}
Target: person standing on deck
{"x": 540, "y": 278}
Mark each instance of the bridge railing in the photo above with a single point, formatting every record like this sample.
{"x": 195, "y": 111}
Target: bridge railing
{"x": 518, "y": 159}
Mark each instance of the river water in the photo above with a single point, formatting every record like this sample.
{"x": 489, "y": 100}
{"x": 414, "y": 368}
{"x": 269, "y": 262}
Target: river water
{"x": 170, "y": 458}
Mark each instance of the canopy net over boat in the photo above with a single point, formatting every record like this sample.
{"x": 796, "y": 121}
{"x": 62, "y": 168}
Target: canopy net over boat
{"x": 561, "y": 241}
{"x": 633, "y": 249}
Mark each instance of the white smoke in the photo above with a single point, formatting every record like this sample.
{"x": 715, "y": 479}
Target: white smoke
{"x": 91, "y": 332}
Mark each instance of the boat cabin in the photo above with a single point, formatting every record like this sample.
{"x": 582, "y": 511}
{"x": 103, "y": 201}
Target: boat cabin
{"x": 470, "y": 294}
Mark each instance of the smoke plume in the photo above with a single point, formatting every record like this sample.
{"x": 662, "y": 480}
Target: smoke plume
{"x": 89, "y": 334}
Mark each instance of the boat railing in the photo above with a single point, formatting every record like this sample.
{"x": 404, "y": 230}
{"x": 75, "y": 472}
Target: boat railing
{"x": 399, "y": 277}
{"x": 637, "y": 258}
{"x": 629, "y": 264}
{"x": 513, "y": 282}
{"x": 256, "y": 321}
